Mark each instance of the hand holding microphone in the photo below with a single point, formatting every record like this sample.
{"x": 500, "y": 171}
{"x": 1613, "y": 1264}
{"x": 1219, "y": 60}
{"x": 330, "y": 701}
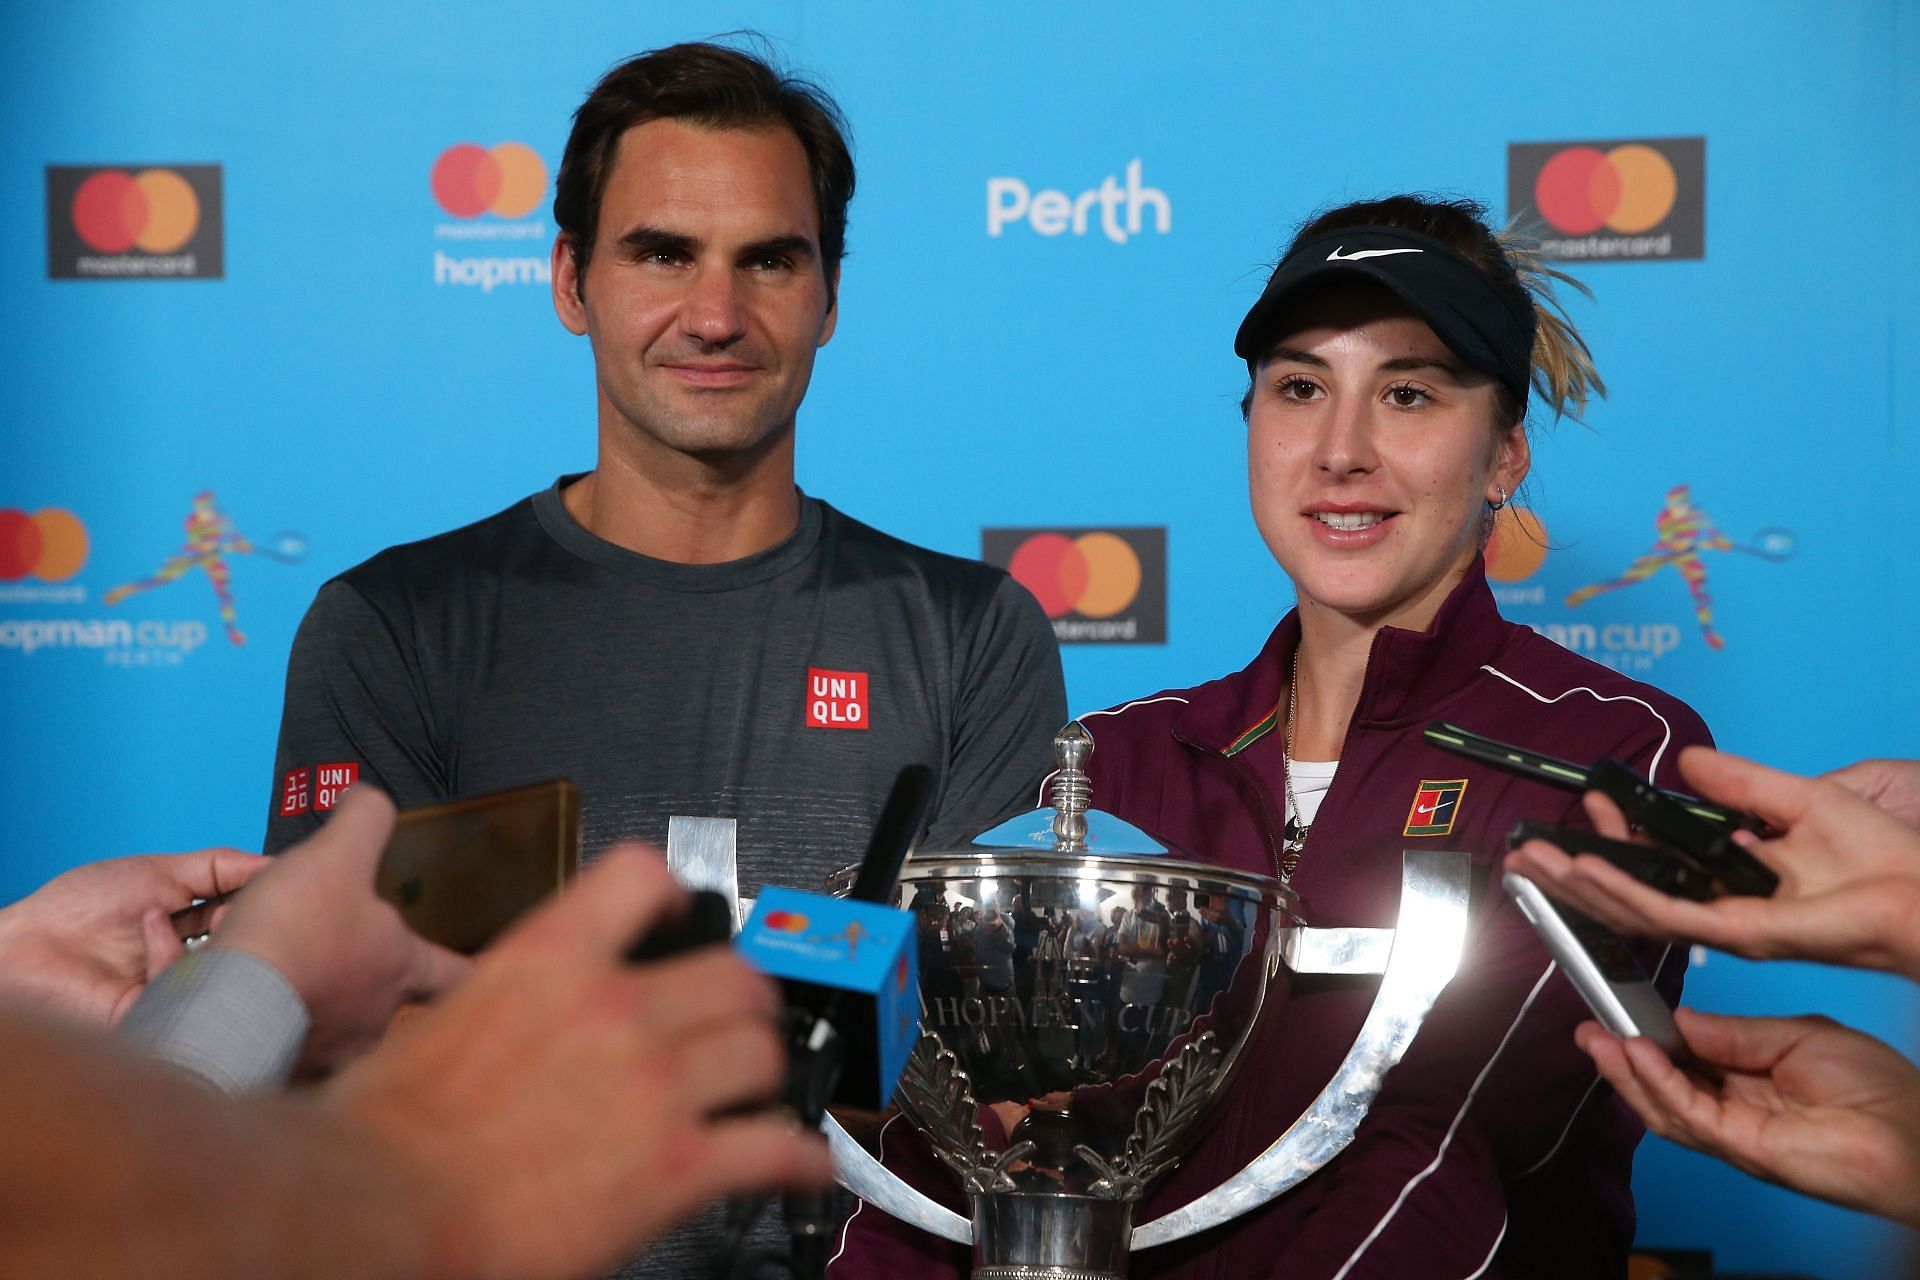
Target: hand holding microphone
{"x": 562, "y": 1085}
{"x": 847, "y": 970}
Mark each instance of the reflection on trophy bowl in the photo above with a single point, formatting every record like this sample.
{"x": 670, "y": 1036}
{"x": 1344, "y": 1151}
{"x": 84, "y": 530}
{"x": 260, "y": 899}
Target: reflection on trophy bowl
{"x": 1079, "y": 1014}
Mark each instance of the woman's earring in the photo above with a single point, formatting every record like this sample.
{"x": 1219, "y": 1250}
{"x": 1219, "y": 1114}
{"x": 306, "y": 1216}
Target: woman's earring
{"x": 1495, "y": 506}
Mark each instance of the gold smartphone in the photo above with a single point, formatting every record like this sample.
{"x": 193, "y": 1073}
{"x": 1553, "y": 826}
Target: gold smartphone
{"x": 461, "y": 871}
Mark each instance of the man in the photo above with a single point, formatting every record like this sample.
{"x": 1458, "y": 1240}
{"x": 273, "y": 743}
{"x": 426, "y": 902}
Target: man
{"x": 1222, "y": 938}
{"x": 680, "y": 631}
{"x": 993, "y": 947}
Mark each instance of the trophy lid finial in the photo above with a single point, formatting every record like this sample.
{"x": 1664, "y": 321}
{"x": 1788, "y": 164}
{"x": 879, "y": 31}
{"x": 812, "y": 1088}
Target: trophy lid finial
{"x": 1072, "y": 791}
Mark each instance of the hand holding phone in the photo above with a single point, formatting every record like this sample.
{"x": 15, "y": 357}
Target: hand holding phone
{"x": 1850, "y": 875}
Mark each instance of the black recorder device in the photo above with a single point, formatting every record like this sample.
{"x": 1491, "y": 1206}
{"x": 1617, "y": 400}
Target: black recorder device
{"x": 1694, "y": 857}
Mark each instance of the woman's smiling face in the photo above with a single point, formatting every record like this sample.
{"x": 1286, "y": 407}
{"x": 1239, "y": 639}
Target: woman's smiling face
{"x": 1372, "y": 451}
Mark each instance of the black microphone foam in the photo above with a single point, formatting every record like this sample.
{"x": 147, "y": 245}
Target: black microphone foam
{"x": 899, "y": 825}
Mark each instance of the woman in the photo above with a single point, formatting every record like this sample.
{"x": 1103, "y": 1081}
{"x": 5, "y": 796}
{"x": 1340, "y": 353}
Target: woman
{"x": 1391, "y": 356}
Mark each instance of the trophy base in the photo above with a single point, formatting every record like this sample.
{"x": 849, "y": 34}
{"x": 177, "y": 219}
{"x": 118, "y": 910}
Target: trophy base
{"x": 1038, "y": 1236}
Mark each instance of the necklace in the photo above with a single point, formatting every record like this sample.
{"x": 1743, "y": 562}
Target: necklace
{"x": 1295, "y": 835}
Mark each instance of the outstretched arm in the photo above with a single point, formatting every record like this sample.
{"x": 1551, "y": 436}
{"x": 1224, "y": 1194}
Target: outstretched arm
{"x": 564, "y": 1106}
{"x": 1804, "y": 1102}
{"x": 306, "y": 971}
{"x": 549, "y": 1117}
{"x": 87, "y": 942}
{"x": 1849, "y": 874}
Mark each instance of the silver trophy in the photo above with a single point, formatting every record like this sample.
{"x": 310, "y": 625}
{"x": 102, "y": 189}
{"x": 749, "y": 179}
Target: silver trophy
{"x": 1085, "y": 998}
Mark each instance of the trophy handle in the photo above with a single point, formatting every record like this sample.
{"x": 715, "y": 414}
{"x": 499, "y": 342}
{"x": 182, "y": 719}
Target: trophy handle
{"x": 867, "y": 1178}
{"x": 1426, "y": 951}
{"x": 1362, "y": 951}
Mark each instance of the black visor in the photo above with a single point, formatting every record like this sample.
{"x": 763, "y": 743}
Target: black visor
{"x": 1458, "y": 303}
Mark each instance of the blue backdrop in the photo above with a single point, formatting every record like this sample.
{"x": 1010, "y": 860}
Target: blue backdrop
{"x": 370, "y": 366}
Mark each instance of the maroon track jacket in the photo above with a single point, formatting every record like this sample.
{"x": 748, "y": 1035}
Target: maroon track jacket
{"x": 1493, "y": 1149}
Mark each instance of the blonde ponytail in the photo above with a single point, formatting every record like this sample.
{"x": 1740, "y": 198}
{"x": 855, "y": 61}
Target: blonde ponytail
{"x": 1563, "y": 372}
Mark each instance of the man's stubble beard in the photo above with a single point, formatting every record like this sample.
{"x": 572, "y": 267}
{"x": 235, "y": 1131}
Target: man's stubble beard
{"x": 717, "y": 443}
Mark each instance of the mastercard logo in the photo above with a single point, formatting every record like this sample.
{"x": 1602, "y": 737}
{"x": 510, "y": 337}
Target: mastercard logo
{"x": 785, "y": 921}
{"x": 51, "y": 544}
{"x": 1518, "y": 546}
{"x": 1095, "y": 575}
{"x": 507, "y": 181}
{"x": 1629, "y": 189}
{"x": 155, "y": 211}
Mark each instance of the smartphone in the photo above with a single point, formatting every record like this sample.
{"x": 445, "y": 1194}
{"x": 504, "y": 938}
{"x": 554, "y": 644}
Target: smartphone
{"x": 193, "y": 924}
{"x": 1599, "y": 965}
{"x": 461, "y": 871}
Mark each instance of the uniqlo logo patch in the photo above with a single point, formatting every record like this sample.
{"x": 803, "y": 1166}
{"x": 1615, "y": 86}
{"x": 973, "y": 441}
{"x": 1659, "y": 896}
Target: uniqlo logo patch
{"x": 1435, "y": 807}
{"x": 316, "y": 787}
{"x": 329, "y": 780}
{"x": 837, "y": 699}
{"x": 296, "y": 792}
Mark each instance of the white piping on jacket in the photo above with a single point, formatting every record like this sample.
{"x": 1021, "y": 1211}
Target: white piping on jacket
{"x": 880, "y": 1142}
{"x": 1547, "y": 1159}
{"x": 1452, "y": 1129}
{"x": 1666, "y": 729}
{"x": 1504, "y": 1223}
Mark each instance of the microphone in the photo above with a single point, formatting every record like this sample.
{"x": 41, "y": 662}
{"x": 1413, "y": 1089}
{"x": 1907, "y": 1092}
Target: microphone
{"x": 901, "y": 819}
{"x": 847, "y": 966}
{"x": 849, "y": 970}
